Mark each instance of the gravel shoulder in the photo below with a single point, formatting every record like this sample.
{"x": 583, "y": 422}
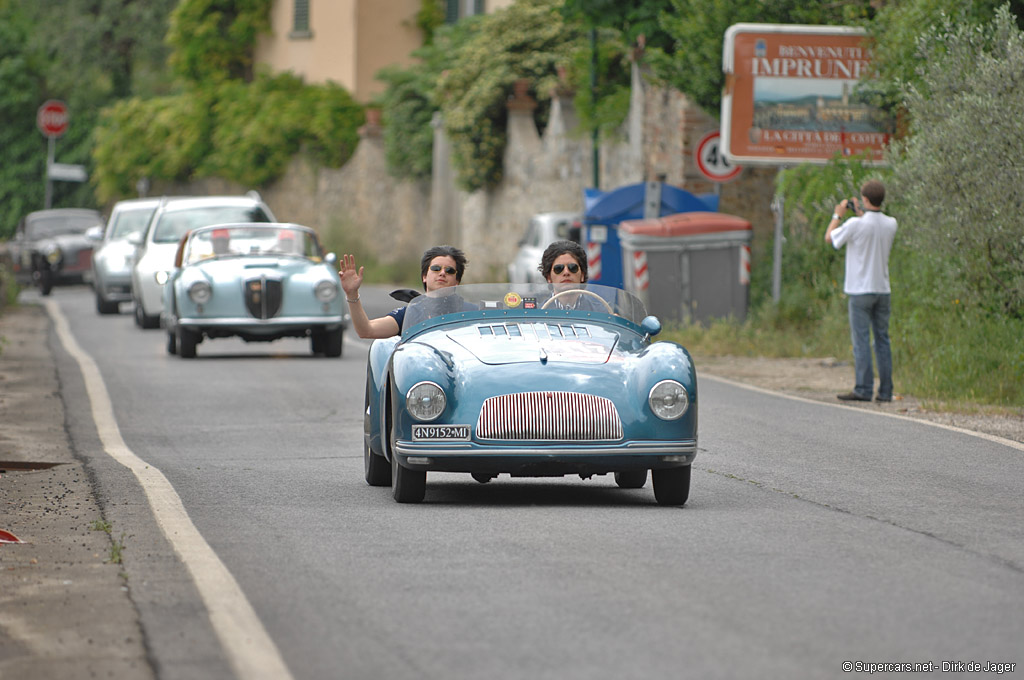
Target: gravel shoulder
{"x": 65, "y": 607}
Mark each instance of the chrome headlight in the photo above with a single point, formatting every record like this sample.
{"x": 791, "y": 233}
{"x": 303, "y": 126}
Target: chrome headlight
{"x": 425, "y": 401}
{"x": 161, "y": 277}
{"x": 200, "y": 292}
{"x": 669, "y": 400}
{"x": 326, "y": 291}
{"x": 54, "y": 255}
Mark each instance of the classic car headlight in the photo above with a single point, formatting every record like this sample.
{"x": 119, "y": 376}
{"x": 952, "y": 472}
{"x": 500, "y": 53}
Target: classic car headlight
{"x": 200, "y": 292}
{"x": 161, "y": 277}
{"x": 668, "y": 400}
{"x": 54, "y": 255}
{"x": 326, "y": 291}
{"x": 425, "y": 401}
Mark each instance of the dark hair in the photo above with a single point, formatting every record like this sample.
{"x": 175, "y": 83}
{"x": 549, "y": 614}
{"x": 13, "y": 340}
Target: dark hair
{"x": 874, "y": 191}
{"x": 445, "y": 251}
{"x": 551, "y": 253}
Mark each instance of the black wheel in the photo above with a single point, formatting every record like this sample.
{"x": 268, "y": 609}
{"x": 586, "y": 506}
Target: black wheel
{"x": 332, "y": 343}
{"x": 672, "y": 485}
{"x": 143, "y": 320}
{"x": 45, "y": 281}
{"x": 106, "y": 306}
{"x": 481, "y": 477}
{"x": 631, "y": 479}
{"x": 172, "y": 342}
{"x": 187, "y": 341}
{"x": 375, "y": 466}
{"x": 316, "y": 341}
{"x": 408, "y": 486}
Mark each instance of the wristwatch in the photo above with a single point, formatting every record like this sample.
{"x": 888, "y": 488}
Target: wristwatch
{"x": 835, "y": 216}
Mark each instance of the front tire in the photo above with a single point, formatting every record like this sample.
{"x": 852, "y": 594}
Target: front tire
{"x": 333, "y": 343}
{"x": 143, "y": 320}
{"x": 172, "y": 342}
{"x": 631, "y": 479}
{"x": 45, "y": 281}
{"x": 104, "y": 306}
{"x": 408, "y": 486}
{"x": 187, "y": 341}
{"x": 672, "y": 485}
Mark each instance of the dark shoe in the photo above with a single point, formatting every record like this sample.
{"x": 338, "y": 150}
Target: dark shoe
{"x": 852, "y": 396}
{"x": 881, "y": 398}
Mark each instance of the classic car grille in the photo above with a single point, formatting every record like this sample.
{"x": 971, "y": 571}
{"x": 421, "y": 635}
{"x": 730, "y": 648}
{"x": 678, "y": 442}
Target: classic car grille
{"x": 558, "y": 416}
{"x": 263, "y": 297}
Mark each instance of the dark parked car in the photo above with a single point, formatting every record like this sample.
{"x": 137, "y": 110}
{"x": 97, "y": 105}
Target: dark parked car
{"x": 50, "y": 247}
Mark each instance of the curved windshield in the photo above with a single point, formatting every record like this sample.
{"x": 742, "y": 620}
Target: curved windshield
{"x": 45, "y": 227}
{"x": 174, "y": 224}
{"x": 130, "y": 220}
{"x": 244, "y": 240}
{"x": 526, "y": 299}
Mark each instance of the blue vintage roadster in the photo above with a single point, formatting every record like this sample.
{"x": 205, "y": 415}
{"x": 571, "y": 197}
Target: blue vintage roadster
{"x": 532, "y": 381}
{"x": 259, "y": 282}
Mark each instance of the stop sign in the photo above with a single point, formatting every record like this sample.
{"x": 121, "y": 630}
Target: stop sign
{"x": 52, "y": 118}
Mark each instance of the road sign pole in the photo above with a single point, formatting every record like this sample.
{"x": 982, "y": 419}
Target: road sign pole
{"x": 51, "y": 143}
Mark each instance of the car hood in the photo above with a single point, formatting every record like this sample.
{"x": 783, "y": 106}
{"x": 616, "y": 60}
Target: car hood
{"x": 510, "y": 343}
{"x": 70, "y": 242}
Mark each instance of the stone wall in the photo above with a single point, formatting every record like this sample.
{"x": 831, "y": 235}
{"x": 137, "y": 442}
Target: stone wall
{"x": 360, "y": 208}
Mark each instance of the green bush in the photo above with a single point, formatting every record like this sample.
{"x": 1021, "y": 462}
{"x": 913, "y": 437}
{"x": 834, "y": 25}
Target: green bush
{"x": 244, "y": 132}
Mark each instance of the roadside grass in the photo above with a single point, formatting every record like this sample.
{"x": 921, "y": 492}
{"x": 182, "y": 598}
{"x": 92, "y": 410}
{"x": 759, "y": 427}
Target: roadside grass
{"x": 952, "y": 360}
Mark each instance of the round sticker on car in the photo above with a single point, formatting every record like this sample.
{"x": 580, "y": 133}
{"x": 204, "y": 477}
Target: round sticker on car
{"x": 513, "y": 300}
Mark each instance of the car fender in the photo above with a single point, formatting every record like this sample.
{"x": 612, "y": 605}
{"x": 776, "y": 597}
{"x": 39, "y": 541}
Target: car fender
{"x": 376, "y": 376}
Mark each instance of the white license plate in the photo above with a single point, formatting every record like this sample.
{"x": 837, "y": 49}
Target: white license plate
{"x": 440, "y": 432}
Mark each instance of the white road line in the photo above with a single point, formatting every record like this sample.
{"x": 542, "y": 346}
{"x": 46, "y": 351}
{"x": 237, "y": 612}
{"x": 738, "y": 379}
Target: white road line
{"x": 981, "y": 435}
{"x": 251, "y": 652}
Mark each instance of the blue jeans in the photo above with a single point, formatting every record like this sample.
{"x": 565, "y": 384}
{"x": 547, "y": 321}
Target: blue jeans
{"x": 870, "y": 313}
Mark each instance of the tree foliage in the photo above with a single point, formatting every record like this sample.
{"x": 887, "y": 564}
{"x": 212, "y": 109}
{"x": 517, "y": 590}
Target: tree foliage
{"x": 526, "y": 40}
{"x": 213, "y": 40}
{"x": 957, "y": 174}
{"x": 245, "y": 132}
{"x": 697, "y": 29}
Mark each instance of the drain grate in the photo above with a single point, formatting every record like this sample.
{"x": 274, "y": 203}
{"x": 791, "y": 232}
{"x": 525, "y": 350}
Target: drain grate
{"x": 24, "y": 466}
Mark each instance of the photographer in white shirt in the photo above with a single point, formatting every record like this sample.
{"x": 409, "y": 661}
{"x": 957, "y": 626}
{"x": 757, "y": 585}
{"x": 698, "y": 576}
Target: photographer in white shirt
{"x": 868, "y": 237}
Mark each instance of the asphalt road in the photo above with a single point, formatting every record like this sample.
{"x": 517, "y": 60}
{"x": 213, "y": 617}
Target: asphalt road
{"x": 814, "y": 535}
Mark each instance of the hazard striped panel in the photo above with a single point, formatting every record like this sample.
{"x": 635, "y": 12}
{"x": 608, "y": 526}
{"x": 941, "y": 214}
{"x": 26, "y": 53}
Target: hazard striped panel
{"x": 641, "y": 277}
{"x": 744, "y": 265}
{"x": 593, "y": 260}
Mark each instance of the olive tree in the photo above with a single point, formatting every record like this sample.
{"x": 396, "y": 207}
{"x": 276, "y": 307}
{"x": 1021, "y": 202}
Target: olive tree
{"x": 957, "y": 178}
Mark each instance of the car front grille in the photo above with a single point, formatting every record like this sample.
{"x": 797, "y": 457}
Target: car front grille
{"x": 553, "y": 416}
{"x": 263, "y": 297}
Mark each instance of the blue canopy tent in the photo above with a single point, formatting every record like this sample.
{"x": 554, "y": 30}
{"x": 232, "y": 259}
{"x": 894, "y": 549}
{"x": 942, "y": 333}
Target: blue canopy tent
{"x": 604, "y": 210}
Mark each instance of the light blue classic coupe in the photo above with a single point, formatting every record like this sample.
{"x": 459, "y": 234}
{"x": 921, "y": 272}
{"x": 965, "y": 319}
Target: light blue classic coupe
{"x": 531, "y": 381}
{"x": 259, "y": 282}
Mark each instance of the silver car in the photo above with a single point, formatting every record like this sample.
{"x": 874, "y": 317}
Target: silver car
{"x": 114, "y": 252}
{"x": 542, "y": 230}
{"x": 171, "y": 221}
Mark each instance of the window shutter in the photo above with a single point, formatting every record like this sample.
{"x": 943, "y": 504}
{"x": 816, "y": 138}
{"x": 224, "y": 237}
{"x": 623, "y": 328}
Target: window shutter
{"x": 478, "y": 6}
{"x": 300, "y": 22}
{"x": 451, "y": 11}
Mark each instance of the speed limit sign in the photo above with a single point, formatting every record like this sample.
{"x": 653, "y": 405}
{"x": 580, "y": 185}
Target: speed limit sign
{"x": 712, "y": 161}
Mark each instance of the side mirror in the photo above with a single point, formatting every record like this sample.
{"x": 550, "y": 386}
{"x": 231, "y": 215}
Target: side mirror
{"x": 330, "y": 258}
{"x": 651, "y": 326}
{"x": 135, "y": 238}
{"x": 94, "y": 233}
{"x": 405, "y": 294}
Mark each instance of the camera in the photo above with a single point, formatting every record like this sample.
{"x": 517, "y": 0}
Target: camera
{"x": 851, "y": 204}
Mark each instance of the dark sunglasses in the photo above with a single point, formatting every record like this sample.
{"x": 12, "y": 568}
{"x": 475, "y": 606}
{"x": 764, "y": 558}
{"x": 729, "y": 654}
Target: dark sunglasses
{"x": 450, "y": 271}
{"x": 573, "y": 268}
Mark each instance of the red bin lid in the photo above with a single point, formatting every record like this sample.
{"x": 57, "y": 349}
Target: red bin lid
{"x": 685, "y": 224}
